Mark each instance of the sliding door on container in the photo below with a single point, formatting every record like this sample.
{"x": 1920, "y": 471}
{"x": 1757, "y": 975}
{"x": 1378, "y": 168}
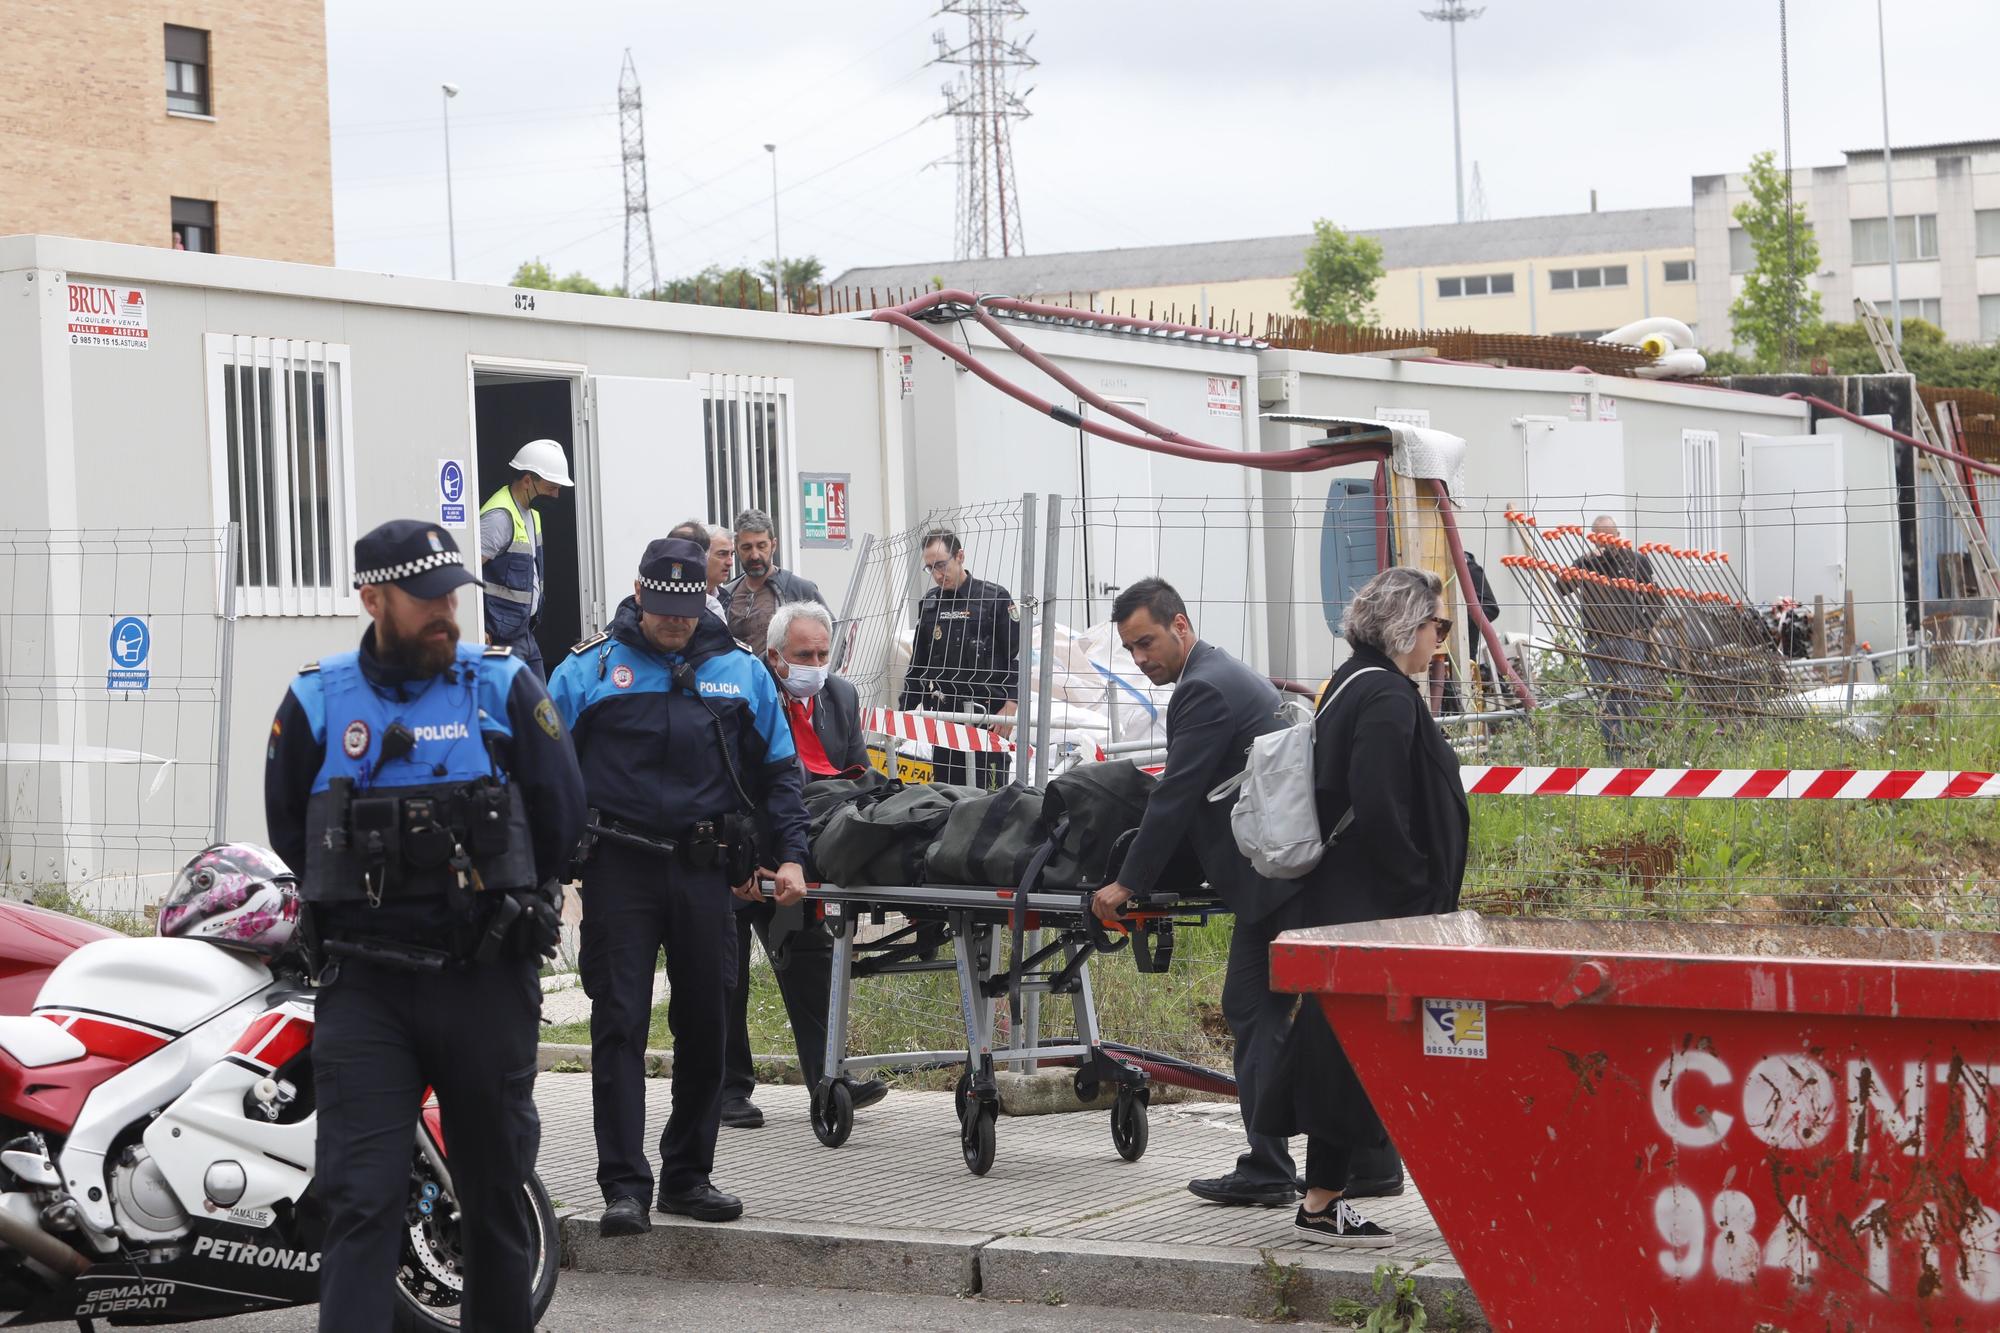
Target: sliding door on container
{"x": 647, "y": 470}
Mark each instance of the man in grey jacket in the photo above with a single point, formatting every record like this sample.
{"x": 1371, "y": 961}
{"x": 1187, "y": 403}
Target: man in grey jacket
{"x": 1218, "y": 707}
{"x": 755, "y": 595}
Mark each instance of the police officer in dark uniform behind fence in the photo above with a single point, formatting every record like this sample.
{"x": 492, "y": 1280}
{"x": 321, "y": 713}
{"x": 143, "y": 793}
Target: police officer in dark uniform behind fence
{"x": 965, "y": 657}
{"x": 682, "y": 740}
{"x": 430, "y": 793}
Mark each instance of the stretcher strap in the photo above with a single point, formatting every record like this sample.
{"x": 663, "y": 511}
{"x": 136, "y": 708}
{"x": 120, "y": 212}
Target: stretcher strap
{"x": 1733, "y": 784}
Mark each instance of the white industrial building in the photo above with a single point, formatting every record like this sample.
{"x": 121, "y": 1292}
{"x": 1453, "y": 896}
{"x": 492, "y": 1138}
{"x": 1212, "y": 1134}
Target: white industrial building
{"x": 308, "y": 404}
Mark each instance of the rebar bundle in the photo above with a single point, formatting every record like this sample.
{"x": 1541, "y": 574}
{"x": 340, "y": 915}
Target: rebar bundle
{"x": 1651, "y": 621}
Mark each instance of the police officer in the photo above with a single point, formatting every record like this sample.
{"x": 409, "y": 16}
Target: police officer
{"x": 510, "y": 548}
{"x": 429, "y": 790}
{"x": 966, "y": 654}
{"x": 682, "y": 740}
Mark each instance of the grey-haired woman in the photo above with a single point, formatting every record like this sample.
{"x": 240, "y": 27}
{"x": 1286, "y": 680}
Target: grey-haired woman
{"x": 1376, "y": 752}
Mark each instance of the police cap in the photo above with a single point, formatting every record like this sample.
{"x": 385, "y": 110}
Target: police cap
{"x": 420, "y": 558}
{"x": 673, "y": 578}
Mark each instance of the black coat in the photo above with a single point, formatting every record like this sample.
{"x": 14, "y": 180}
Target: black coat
{"x": 1377, "y": 749}
{"x": 966, "y": 649}
{"x": 1218, "y": 707}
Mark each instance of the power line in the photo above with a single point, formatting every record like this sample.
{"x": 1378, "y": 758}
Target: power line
{"x": 639, "y": 256}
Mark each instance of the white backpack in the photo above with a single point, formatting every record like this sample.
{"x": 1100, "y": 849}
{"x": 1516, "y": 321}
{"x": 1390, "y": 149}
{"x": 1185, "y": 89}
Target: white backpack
{"x": 1276, "y": 816}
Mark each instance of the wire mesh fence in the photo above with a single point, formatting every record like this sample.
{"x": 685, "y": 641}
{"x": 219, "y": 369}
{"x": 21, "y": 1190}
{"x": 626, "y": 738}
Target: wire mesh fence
{"x": 114, "y": 702}
{"x": 1804, "y": 632}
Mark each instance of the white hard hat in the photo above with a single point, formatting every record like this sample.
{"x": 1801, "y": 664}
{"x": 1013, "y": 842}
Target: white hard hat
{"x": 545, "y": 459}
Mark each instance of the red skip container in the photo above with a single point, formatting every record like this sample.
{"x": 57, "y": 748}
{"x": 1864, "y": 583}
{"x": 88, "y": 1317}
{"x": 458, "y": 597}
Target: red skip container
{"x": 1652, "y": 1126}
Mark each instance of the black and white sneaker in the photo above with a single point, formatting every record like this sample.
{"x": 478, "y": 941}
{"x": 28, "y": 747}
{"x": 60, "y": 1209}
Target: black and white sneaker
{"x": 1341, "y": 1225}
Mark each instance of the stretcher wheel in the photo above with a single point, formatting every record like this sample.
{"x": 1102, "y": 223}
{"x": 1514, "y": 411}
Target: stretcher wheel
{"x": 833, "y": 1113}
{"x": 962, "y": 1094}
{"x": 1129, "y": 1126}
{"x": 975, "y": 1136}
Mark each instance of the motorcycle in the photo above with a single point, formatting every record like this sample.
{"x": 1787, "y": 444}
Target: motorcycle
{"x": 157, "y": 1126}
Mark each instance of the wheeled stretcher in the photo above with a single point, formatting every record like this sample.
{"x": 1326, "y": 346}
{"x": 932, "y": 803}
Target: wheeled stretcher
{"x": 941, "y": 928}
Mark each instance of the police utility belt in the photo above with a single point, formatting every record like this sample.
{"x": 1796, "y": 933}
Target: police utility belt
{"x": 728, "y": 844}
{"x": 456, "y": 839}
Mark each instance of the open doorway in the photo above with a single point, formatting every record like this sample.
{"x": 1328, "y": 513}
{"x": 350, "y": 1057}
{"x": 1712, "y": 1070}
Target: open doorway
{"x": 509, "y": 408}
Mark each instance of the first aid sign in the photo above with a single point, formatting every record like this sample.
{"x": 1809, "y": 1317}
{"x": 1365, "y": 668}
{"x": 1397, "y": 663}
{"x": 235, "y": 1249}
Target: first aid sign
{"x": 107, "y": 316}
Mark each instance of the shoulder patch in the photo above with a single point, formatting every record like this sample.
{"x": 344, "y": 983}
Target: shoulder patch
{"x": 309, "y": 668}
{"x": 545, "y": 717}
{"x": 498, "y": 650}
{"x": 590, "y": 642}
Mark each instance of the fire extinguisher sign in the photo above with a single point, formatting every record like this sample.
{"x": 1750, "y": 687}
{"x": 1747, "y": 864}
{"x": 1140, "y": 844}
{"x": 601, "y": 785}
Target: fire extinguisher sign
{"x": 823, "y": 509}
{"x": 1455, "y": 1029}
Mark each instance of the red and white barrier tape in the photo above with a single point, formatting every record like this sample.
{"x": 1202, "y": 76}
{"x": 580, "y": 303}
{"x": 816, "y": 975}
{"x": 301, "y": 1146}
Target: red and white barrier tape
{"x": 1732, "y": 784}
{"x": 948, "y": 735}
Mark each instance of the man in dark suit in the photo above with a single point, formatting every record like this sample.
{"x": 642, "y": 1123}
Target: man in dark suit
{"x": 824, "y": 713}
{"x": 1219, "y": 706}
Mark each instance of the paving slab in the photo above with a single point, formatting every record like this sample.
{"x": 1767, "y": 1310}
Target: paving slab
{"x": 1056, "y": 1182}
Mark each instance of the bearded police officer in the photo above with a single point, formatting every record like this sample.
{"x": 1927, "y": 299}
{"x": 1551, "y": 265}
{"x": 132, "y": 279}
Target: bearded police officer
{"x": 683, "y": 743}
{"x": 966, "y": 654}
{"x": 429, "y": 791}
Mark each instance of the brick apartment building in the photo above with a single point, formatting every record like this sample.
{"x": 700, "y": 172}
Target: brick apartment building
{"x": 192, "y": 123}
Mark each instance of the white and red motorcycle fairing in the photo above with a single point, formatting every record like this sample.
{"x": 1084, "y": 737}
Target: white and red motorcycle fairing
{"x": 156, "y": 1149}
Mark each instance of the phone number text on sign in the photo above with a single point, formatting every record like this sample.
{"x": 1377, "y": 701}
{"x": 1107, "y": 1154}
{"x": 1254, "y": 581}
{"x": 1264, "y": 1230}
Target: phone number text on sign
{"x": 1879, "y": 1166}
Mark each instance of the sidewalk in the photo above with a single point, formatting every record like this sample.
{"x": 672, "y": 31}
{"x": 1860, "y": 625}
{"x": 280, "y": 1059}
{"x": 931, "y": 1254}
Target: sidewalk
{"x": 1060, "y": 1216}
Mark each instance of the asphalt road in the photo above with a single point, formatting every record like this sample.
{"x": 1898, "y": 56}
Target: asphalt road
{"x": 592, "y": 1302}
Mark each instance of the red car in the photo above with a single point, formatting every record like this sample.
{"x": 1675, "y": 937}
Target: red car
{"x": 32, "y": 941}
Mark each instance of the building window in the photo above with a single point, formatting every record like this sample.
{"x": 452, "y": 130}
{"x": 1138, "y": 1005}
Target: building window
{"x": 1916, "y": 238}
{"x": 1571, "y": 279}
{"x": 1989, "y": 319}
{"x": 1742, "y": 254}
{"x": 281, "y": 461}
{"x": 1679, "y": 270}
{"x": 194, "y": 225}
{"x": 747, "y": 425}
{"x": 1986, "y": 231}
{"x": 1477, "y": 284}
{"x": 1924, "y": 308}
{"x": 187, "y": 70}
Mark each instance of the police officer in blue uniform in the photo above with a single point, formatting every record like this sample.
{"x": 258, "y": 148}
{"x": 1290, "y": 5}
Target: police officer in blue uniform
{"x": 430, "y": 792}
{"x": 683, "y": 741}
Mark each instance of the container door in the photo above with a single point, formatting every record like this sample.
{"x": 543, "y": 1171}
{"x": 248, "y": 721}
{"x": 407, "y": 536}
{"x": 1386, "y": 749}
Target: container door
{"x": 1576, "y": 471}
{"x": 1122, "y": 543}
{"x": 649, "y": 471}
{"x": 1795, "y": 518}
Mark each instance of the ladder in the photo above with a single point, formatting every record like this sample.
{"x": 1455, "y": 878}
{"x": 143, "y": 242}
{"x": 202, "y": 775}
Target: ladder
{"x": 1950, "y": 482}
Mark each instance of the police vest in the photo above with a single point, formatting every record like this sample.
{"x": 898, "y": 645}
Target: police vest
{"x": 514, "y": 577}
{"x": 378, "y": 826}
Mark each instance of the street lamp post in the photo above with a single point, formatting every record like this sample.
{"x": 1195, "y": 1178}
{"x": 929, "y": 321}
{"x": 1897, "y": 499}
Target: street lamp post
{"x": 777, "y": 247}
{"x": 1451, "y": 13}
{"x": 450, "y": 222}
{"x": 1889, "y": 178}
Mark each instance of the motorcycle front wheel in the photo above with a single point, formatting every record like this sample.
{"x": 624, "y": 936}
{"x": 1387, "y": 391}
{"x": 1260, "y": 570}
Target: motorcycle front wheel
{"x": 430, "y": 1278}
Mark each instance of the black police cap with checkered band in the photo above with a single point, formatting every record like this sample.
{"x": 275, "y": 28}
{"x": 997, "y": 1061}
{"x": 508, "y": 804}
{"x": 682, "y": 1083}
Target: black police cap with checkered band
{"x": 420, "y": 558}
{"x": 673, "y": 578}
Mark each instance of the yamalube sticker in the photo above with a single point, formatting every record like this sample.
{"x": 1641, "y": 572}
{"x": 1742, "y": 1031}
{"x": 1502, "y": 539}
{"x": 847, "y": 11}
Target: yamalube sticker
{"x": 1455, "y": 1028}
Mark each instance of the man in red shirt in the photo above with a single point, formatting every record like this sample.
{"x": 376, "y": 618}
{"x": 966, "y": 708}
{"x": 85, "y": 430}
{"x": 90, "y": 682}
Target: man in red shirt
{"x": 825, "y": 715}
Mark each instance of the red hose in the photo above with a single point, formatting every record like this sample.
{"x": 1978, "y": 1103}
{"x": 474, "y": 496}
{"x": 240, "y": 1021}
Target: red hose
{"x": 1911, "y": 440}
{"x": 1473, "y": 609}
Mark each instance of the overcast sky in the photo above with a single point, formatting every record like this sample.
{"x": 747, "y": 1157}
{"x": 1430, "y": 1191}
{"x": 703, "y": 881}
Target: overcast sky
{"x": 1155, "y": 121}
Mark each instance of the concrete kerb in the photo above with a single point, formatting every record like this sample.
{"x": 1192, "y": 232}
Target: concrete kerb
{"x": 1197, "y": 1279}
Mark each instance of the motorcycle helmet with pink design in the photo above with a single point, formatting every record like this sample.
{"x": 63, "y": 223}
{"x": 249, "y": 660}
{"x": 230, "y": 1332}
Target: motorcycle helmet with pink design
{"x": 237, "y": 895}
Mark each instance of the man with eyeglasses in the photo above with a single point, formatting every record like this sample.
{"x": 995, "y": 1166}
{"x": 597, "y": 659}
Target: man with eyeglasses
{"x": 965, "y": 657}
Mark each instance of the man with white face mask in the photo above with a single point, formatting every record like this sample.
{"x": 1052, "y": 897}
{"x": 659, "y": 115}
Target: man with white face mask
{"x": 825, "y": 716}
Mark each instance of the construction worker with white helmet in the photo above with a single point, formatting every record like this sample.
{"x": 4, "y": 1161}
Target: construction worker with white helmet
{"x": 510, "y": 548}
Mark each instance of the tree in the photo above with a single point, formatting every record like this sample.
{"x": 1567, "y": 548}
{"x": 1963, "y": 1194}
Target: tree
{"x": 1776, "y": 307}
{"x": 800, "y": 274}
{"x": 1339, "y": 277}
{"x": 534, "y": 273}
{"x": 740, "y": 286}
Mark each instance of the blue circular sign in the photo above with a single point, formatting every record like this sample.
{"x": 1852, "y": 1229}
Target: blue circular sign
{"x": 131, "y": 641}
{"x": 451, "y": 481}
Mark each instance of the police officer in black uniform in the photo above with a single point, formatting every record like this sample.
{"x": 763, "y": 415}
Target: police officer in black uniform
{"x": 966, "y": 655}
{"x": 429, "y": 790}
{"x": 683, "y": 741}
